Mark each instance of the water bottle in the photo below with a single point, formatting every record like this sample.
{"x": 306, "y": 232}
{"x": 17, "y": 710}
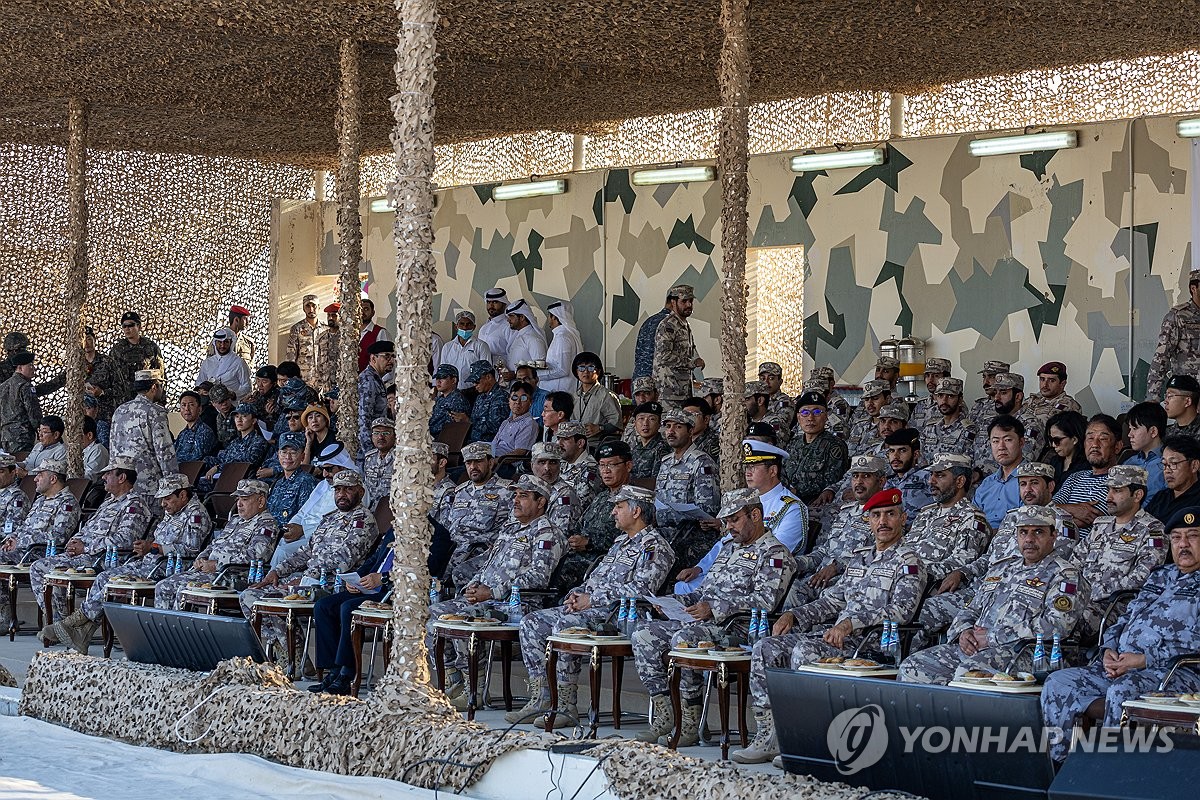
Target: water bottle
{"x": 51, "y": 549}
{"x": 1056, "y": 653}
{"x": 337, "y": 584}
{"x": 623, "y": 617}
{"x": 256, "y": 571}
{"x": 435, "y": 591}
{"x": 514, "y": 606}
{"x": 764, "y": 629}
{"x": 752, "y": 633}
{"x": 885, "y": 638}
{"x": 8, "y": 527}
{"x": 1039, "y": 655}
{"x": 894, "y": 643}
{"x": 110, "y": 557}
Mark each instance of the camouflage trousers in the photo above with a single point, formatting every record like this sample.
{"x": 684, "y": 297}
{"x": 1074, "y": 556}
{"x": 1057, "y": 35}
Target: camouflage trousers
{"x": 937, "y": 612}
{"x": 166, "y": 591}
{"x": 458, "y": 657}
{"x": 273, "y": 628}
{"x": 943, "y": 663}
{"x": 537, "y": 627}
{"x": 37, "y": 577}
{"x": 793, "y": 649}
{"x": 93, "y": 604}
{"x": 653, "y": 639}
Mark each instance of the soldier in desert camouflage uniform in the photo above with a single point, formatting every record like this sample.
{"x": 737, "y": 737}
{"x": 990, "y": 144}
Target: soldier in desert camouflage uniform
{"x": 14, "y": 505}
{"x": 950, "y": 532}
{"x": 480, "y": 506}
{"x": 779, "y": 404}
{"x": 752, "y": 571}
{"x": 141, "y": 434}
{"x": 339, "y": 544}
{"x": 1008, "y": 397}
{"x": 1137, "y": 651}
{"x": 377, "y": 463}
{"x": 182, "y": 532}
{"x": 597, "y": 530}
{"x": 983, "y": 409}
{"x": 578, "y": 466}
{"x": 950, "y": 430}
{"x": 1122, "y": 548}
{"x": 303, "y": 341}
{"x": 248, "y": 536}
{"x": 865, "y": 427}
{"x": 1051, "y": 397}
{"x": 675, "y": 353}
{"x": 926, "y": 408}
{"x": 564, "y": 509}
{"x": 1178, "y": 350}
{"x": 883, "y": 583}
{"x": 328, "y": 350}
{"x": 686, "y": 476}
{"x": 634, "y": 566}
{"x": 1020, "y": 597}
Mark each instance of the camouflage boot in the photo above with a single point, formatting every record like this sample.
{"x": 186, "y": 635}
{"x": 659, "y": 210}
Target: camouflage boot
{"x": 566, "y": 713}
{"x": 689, "y": 727}
{"x": 539, "y": 698}
{"x": 664, "y": 719}
{"x": 765, "y": 745}
{"x": 76, "y": 629}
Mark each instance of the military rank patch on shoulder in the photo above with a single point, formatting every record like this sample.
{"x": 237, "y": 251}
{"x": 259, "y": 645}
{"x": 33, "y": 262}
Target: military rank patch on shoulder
{"x": 265, "y": 531}
{"x": 706, "y": 471}
{"x": 1063, "y": 603}
{"x": 70, "y": 507}
{"x": 20, "y": 502}
{"x": 565, "y": 500}
{"x": 133, "y": 509}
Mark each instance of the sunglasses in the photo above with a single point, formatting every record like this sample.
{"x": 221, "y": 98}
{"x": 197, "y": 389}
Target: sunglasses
{"x": 293, "y": 416}
{"x": 586, "y": 368}
{"x": 520, "y": 398}
{"x": 128, "y": 324}
{"x": 1057, "y": 440}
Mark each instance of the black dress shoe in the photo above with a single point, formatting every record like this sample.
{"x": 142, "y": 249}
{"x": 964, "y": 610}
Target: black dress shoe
{"x": 325, "y": 683}
{"x": 341, "y": 685}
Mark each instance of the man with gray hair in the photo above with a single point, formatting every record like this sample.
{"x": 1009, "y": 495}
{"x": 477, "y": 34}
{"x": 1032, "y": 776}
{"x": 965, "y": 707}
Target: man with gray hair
{"x": 675, "y": 353}
{"x": 636, "y": 565}
{"x": 140, "y": 433}
{"x": 729, "y": 587}
{"x": 564, "y": 508}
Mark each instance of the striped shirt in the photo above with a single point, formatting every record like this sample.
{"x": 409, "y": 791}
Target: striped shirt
{"x": 1085, "y": 486}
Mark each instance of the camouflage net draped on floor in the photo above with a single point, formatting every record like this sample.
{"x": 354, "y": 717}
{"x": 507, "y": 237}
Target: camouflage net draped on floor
{"x": 242, "y": 707}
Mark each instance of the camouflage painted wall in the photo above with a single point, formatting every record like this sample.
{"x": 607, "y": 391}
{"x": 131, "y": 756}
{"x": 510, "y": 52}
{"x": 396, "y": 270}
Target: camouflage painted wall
{"x": 1072, "y": 255}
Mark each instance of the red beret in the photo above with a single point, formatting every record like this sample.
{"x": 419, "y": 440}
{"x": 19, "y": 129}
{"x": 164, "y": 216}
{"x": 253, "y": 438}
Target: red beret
{"x": 333, "y": 308}
{"x": 888, "y": 497}
{"x": 242, "y": 310}
{"x": 1053, "y": 368}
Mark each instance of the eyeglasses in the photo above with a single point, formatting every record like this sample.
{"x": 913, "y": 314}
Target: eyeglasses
{"x": 1171, "y": 466}
{"x": 811, "y": 412}
{"x": 587, "y": 368}
{"x": 1177, "y": 396}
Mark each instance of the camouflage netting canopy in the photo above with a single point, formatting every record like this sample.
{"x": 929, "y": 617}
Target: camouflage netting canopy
{"x": 258, "y": 78}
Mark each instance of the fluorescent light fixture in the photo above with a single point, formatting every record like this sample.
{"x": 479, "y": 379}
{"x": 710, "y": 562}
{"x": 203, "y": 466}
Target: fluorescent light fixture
{"x": 512, "y": 191}
{"x": 381, "y": 205}
{"x": 1188, "y": 128}
{"x": 651, "y": 177}
{"x": 1027, "y": 143}
{"x": 838, "y": 159}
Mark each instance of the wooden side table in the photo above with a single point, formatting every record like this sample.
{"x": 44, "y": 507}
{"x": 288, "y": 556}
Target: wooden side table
{"x": 1161, "y": 715}
{"x": 474, "y": 634}
{"x": 726, "y": 666}
{"x": 16, "y": 575}
{"x": 214, "y": 602}
{"x": 595, "y": 649}
{"x": 291, "y": 611}
{"x": 381, "y": 623}
{"x": 132, "y": 593}
{"x": 62, "y": 580}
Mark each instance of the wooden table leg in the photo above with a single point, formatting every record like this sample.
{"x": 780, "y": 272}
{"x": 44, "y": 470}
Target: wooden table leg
{"x": 596, "y": 674}
{"x": 506, "y": 672}
{"x": 552, "y": 682}
{"x": 48, "y": 602}
{"x": 70, "y": 598}
{"x": 356, "y": 644}
{"x": 618, "y": 675}
{"x": 472, "y": 675}
{"x": 723, "y": 704}
{"x": 291, "y": 645}
{"x": 14, "y": 624}
{"x": 439, "y": 660}
{"x": 673, "y": 675}
{"x": 387, "y": 645}
{"x": 743, "y": 680}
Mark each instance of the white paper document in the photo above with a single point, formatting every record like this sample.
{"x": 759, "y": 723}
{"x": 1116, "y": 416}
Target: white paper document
{"x": 670, "y": 607}
{"x": 354, "y": 580}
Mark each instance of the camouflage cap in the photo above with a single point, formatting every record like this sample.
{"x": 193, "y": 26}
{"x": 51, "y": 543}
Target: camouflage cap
{"x": 245, "y": 408}
{"x": 875, "y": 388}
{"x": 1127, "y": 475}
{"x": 945, "y": 461}
{"x": 479, "y": 369}
{"x": 755, "y": 388}
{"x": 219, "y": 393}
{"x": 711, "y": 386}
{"x": 680, "y": 416}
{"x": 120, "y": 462}
{"x": 7, "y": 461}
{"x": 887, "y": 362}
{"x": 1188, "y": 517}
{"x": 681, "y": 291}
{"x": 632, "y": 494}
{"x": 251, "y": 486}
{"x": 532, "y": 483}
{"x": 938, "y": 365}
{"x": 1035, "y": 469}
{"x": 570, "y": 429}
{"x": 821, "y": 385}
{"x": 52, "y": 465}
{"x": 884, "y": 499}
{"x": 826, "y": 372}
{"x": 477, "y": 451}
{"x": 1009, "y": 380}
{"x": 383, "y": 422}
{"x": 735, "y": 501}
{"x": 614, "y": 448}
{"x": 868, "y": 464}
{"x": 309, "y": 298}
{"x": 952, "y": 386}
{"x": 547, "y": 451}
{"x": 441, "y": 449}
{"x": 147, "y": 375}
{"x": 346, "y": 477}
{"x": 895, "y": 411}
{"x": 293, "y": 439}
{"x": 770, "y": 368}
{"x": 644, "y": 384}
{"x": 171, "y": 483}
{"x": 994, "y": 367}
{"x": 1041, "y": 516}
{"x": 445, "y": 371}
